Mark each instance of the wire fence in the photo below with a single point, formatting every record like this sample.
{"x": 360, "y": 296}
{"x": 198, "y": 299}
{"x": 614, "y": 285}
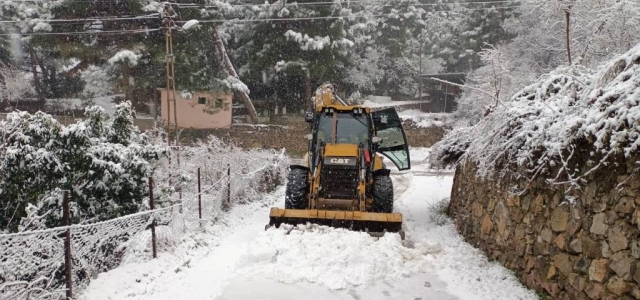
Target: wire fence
{"x": 59, "y": 262}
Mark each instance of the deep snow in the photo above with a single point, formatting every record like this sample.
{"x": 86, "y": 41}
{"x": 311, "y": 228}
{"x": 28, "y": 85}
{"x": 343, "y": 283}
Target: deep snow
{"x": 236, "y": 259}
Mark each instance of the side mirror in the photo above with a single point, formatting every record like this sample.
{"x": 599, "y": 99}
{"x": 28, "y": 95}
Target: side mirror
{"x": 376, "y": 139}
{"x": 309, "y": 136}
{"x": 308, "y": 117}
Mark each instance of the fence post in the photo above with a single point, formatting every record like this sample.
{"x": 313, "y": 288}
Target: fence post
{"x": 153, "y": 223}
{"x": 229, "y": 184}
{"x": 67, "y": 245}
{"x": 199, "y": 197}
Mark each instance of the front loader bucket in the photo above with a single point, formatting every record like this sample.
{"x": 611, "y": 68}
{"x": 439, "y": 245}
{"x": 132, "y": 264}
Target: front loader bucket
{"x": 376, "y": 224}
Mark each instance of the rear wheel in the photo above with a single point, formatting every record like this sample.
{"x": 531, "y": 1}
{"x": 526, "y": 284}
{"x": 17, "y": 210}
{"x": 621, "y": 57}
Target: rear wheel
{"x": 383, "y": 194}
{"x": 297, "y": 189}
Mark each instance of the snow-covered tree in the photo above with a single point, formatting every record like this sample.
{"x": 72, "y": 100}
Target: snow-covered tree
{"x": 103, "y": 162}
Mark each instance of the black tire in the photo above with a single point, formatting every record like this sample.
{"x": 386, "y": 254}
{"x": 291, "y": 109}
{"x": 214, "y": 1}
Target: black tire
{"x": 297, "y": 189}
{"x": 383, "y": 194}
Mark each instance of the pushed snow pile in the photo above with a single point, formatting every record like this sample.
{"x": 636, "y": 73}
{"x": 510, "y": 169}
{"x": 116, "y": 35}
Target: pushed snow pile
{"x": 546, "y": 124}
{"x": 332, "y": 257}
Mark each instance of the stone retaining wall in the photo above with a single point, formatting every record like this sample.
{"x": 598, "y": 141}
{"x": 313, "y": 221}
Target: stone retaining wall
{"x": 583, "y": 246}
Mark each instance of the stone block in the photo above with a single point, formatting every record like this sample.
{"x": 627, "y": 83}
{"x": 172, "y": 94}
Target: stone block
{"x": 559, "y": 219}
{"x": 598, "y": 270}
{"x": 582, "y": 265}
{"x": 598, "y": 225}
{"x": 486, "y": 226}
{"x": 561, "y": 241}
{"x": 590, "y": 248}
{"x": 546, "y": 235}
{"x": 594, "y": 290}
{"x": 618, "y": 286}
{"x": 617, "y": 239}
{"x": 564, "y": 263}
{"x": 622, "y": 264}
{"x": 625, "y": 205}
{"x": 575, "y": 246}
{"x": 552, "y": 273}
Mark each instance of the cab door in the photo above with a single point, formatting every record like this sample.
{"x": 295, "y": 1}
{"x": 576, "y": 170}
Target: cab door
{"x": 394, "y": 141}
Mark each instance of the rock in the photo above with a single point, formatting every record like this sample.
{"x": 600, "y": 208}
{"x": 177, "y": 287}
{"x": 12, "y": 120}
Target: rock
{"x": 635, "y": 293}
{"x": 552, "y": 288}
{"x": 582, "y": 265}
{"x": 552, "y": 273}
{"x": 563, "y": 262}
{"x": 476, "y": 209}
{"x": 559, "y": 219}
{"x": 618, "y": 286}
{"x": 525, "y": 203}
{"x": 513, "y": 201}
{"x": 635, "y": 249}
{"x": 502, "y": 214}
{"x": 612, "y": 217}
{"x": 573, "y": 227}
{"x": 598, "y": 270}
{"x": 599, "y": 207}
{"x": 636, "y": 275}
{"x": 575, "y": 246}
{"x": 598, "y": 225}
{"x": 617, "y": 239}
{"x": 636, "y": 217}
{"x": 536, "y": 205}
{"x": 578, "y": 282}
{"x": 621, "y": 264}
{"x": 561, "y": 242}
{"x": 606, "y": 250}
{"x": 487, "y": 225}
{"x": 546, "y": 235}
{"x": 625, "y": 205}
{"x": 594, "y": 290}
{"x": 590, "y": 248}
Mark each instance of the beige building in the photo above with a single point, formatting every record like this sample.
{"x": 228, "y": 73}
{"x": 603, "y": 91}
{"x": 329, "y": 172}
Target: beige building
{"x": 203, "y": 110}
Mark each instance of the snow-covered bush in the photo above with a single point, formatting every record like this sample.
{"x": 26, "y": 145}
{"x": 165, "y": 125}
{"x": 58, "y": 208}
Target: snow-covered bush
{"x": 570, "y": 115}
{"x": 103, "y": 162}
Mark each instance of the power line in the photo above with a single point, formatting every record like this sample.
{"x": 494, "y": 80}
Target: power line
{"x": 195, "y": 5}
{"x": 152, "y": 16}
{"x": 84, "y": 32}
{"x": 234, "y": 20}
{"x": 339, "y": 17}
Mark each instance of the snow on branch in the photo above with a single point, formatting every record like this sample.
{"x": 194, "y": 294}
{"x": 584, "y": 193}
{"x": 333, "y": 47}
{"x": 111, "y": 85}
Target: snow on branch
{"x": 569, "y": 109}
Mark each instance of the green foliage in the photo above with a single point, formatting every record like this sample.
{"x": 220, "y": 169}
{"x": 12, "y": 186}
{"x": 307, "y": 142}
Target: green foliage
{"x": 103, "y": 162}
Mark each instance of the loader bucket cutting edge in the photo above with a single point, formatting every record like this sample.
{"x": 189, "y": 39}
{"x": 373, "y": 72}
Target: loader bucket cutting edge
{"x": 376, "y": 224}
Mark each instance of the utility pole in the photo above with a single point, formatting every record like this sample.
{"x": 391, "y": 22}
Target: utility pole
{"x": 420, "y": 77}
{"x": 167, "y": 24}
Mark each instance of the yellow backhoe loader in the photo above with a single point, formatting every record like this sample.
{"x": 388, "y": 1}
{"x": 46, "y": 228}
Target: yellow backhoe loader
{"x": 342, "y": 181}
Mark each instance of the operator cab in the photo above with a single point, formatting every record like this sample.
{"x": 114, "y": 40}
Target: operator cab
{"x": 355, "y": 127}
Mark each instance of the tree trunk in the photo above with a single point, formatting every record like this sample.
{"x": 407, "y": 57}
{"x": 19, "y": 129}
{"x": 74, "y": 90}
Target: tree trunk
{"x": 231, "y": 71}
{"x": 34, "y": 70}
{"x": 567, "y": 15}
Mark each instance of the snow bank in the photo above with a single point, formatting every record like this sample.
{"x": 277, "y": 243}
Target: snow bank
{"x": 547, "y": 122}
{"x": 332, "y": 257}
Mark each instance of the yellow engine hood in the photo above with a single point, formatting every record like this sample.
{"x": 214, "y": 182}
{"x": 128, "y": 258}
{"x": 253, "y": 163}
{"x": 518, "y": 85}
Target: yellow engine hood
{"x": 343, "y": 150}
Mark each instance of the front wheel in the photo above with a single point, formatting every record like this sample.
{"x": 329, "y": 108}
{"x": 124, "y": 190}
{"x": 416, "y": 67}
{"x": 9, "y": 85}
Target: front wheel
{"x": 297, "y": 189}
{"x": 383, "y": 194}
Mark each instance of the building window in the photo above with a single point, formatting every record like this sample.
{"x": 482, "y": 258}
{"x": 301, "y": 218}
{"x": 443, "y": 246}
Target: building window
{"x": 202, "y": 100}
{"x": 218, "y": 103}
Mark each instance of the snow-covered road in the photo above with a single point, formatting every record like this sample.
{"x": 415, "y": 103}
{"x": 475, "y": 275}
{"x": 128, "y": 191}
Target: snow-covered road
{"x": 236, "y": 259}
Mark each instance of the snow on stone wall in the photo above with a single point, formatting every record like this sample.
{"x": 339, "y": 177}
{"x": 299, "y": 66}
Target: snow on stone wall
{"x": 549, "y": 185}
